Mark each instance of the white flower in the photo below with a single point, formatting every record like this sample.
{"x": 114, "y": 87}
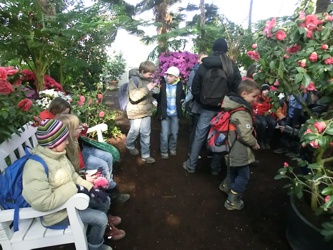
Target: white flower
{"x": 46, "y": 96}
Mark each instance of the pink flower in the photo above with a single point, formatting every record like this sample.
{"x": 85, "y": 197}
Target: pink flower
{"x": 25, "y": 104}
{"x": 311, "y": 87}
{"x": 314, "y": 144}
{"x": 82, "y": 98}
{"x": 313, "y": 57}
{"x": 100, "y": 96}
{"x": 268, "y": 27}
{"x": 3, "y": 74}
{"x": 329, "y": 60}
{"x": 90, "y": 102}
{"x": 101, "y": 114}
{"x": 329, "y": 18}
{"x": 331, "y": 144}
{"x": 327, "y": 198}
{"x": 254, "y": 46}
{"x": 286, "y": 56}
{"x": 301, "y": 15}
{"x": 309, "y": 34}
{"x": 285, "y": 164}
{"x": 293, "y": 49}
{"x": 5, "y": 87}
{"x": 324, "y": 47}
{"x": 311, "y": 22}
{"x": 320, "y": 126}
{"x": 253, "y": 55}
{"x": 280, "y": 35}
{"x": 308, "y": 131}
{"x": 302, "y": 63}
{"x": 80, "y": 103}
{"x": 11, "y": 71}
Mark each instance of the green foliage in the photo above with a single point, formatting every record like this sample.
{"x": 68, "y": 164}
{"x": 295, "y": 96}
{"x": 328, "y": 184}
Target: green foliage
{"x": 114, "y": 67}
{"x": 87, "y": 105}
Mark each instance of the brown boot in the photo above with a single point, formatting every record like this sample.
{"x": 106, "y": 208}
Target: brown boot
{"x": 114, "y": 220}
{"x": 113, "y": 233}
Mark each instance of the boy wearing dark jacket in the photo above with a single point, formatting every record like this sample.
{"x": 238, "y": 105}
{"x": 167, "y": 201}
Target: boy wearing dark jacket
{"x": 170, "y": 110}
{"x": 242, "y": 141}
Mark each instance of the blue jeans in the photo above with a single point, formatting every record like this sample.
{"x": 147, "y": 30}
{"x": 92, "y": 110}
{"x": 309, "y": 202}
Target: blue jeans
{"x": 97, "y": 221}
{"x": 169, "y": 134}
{"x": 239, "y": 177}
{"x": 142, "y": 126}
{"x": 200, "y": 138}
{"x": 94, "y": 158}
{"x": 265, "y": 127}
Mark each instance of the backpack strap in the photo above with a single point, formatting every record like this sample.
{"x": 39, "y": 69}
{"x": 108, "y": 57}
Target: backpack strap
{"x": 17, "y": 207}
{"x": 136, "y": 81}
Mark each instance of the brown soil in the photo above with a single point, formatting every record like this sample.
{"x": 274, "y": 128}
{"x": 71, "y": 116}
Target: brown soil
{"x": 171, "y": 209}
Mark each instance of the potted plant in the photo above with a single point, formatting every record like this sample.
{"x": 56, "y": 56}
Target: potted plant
{"x": 298, "y": 53}
{"x": 113, "y": 69}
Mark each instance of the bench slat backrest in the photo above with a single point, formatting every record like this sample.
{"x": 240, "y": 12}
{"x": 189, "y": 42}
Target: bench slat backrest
{"x": 13, "y": 149}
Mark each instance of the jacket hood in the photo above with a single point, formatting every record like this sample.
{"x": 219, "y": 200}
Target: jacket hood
{"x": 134, "y": 72}
{"x": 234, "y": 101}
{"x": 212, "y": 62}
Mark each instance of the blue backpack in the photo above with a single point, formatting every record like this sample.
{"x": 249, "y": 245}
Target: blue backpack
{"x": 123, "y": 94}
{"x": 11, "y": 185}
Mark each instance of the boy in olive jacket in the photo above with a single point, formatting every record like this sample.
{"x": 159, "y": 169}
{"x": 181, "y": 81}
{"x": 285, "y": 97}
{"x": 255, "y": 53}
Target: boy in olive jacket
{"x": 242, "y": 141}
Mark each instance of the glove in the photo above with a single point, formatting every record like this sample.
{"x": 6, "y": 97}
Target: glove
{"x": 98, "y": 195}
{"x": 82, "y": 189}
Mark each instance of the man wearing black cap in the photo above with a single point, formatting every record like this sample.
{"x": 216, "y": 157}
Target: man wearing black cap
{"x": 219, "y": 59}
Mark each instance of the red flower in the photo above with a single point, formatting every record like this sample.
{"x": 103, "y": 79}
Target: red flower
{"x": 101, "y": 114}
{"x": 311, "y": 87}
{"x": 309, "y": 34}
{"x": 329, "y": 60}
{"x": 293, "y": 49}
{"x": 324, "y": 47}
{"x": 100, "y": 96}
{"x": 313, "y": 57}
{"x": 302, "y": 63}
{"x": 308, "y": 131}
{"x": 327, "y": 198}
{"x": 5, "y": 87}
{"x": 320, "y": 126}
{"x": 253, "y": 55}
{"x": 3, "y": 74}
{"x": 285, "y": 164}
{"x": 311, "y": 22}
{"x": 268, "y": 27}
{"x": 314, "y": 144}
{"x": 280, "y": 35}
{"x": 11, "y": 71}
{"x": 82, "y": 99}
{"x": 25, "y": 104}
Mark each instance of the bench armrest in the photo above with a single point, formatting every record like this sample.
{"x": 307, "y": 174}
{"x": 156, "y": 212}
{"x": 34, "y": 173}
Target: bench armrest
{"x": 78, "y": 201}
{"x": 99, "y": 129}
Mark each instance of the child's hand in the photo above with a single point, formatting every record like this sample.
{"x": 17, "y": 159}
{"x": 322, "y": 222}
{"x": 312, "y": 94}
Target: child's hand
{"x": 256, "y": 147}
{"x": 91, "y": 178}
{"x": 151, "y": 85}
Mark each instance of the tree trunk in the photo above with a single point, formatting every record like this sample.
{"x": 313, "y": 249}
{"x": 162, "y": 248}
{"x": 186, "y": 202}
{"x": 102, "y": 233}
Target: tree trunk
{"x": 250, "y": 16}
{"x": 162, "y": 16}
{"x": 202, "y": 25}
{"x": 322, "y": 5}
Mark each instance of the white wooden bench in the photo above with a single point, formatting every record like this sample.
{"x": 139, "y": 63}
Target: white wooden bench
{"x": 31, "y": 233}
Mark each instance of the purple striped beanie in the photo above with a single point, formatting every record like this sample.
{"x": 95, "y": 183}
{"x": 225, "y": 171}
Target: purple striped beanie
{"x": 51, "y": 133}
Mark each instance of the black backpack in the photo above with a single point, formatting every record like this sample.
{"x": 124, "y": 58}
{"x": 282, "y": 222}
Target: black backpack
{"x": 214, "y": 87}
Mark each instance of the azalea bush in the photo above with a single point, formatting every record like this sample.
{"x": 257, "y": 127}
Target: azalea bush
{"x": 298, "y": 55}
{"x": 88, "y": 106}
{"x": 184, "y": 61}
{"x": 17, "y": 108}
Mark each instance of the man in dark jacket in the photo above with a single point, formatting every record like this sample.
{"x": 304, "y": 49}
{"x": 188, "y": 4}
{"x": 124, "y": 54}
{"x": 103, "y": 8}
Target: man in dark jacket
{"x": 219, "y": 59}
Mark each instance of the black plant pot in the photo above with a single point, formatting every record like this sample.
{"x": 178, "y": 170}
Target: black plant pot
{"x": 301, "y": 234}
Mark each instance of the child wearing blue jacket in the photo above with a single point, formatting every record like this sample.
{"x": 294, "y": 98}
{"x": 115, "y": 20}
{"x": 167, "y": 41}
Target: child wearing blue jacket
{"x": 169, "y": 108}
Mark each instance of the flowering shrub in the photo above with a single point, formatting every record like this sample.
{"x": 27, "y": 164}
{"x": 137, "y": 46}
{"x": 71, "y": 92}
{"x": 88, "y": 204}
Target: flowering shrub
{"x": 46, "y": 96}
{"x": 184, "y": 61}
{"x": 298, "y": 54}
{"x": 17, "y": 108}
{"x": 88, "y": 106}
{"x": 49, "y": 82}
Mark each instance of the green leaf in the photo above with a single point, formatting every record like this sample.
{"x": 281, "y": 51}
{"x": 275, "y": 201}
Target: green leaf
{"x": 299, "y": 77}
{"x": 272, "y": 64}
{"x": 300, "y": 70}
{"x": 327, "y": 191}
{"x": 329, "y": 131}
{"x": 314, "y": 166}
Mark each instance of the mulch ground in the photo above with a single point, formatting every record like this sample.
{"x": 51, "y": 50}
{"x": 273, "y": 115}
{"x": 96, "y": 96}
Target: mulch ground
{"x": 172, "y": 209}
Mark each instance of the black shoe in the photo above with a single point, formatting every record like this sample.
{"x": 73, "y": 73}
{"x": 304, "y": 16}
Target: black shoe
{"x": 117, "y": 198}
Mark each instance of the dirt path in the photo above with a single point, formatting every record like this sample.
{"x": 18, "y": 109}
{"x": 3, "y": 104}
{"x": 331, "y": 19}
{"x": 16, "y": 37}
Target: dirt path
{"x": 171, "y": 209}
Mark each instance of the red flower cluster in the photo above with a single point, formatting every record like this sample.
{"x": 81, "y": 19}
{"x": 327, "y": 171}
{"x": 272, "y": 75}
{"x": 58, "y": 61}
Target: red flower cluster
{"x": 49, "y": 82}
{"x": 25, "y": 104}
{"x": 253, "y": 55}
{"x": 268, "y": 27}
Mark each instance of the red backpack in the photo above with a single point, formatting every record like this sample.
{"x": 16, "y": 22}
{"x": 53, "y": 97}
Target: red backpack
{"x": 217, "y": 140}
